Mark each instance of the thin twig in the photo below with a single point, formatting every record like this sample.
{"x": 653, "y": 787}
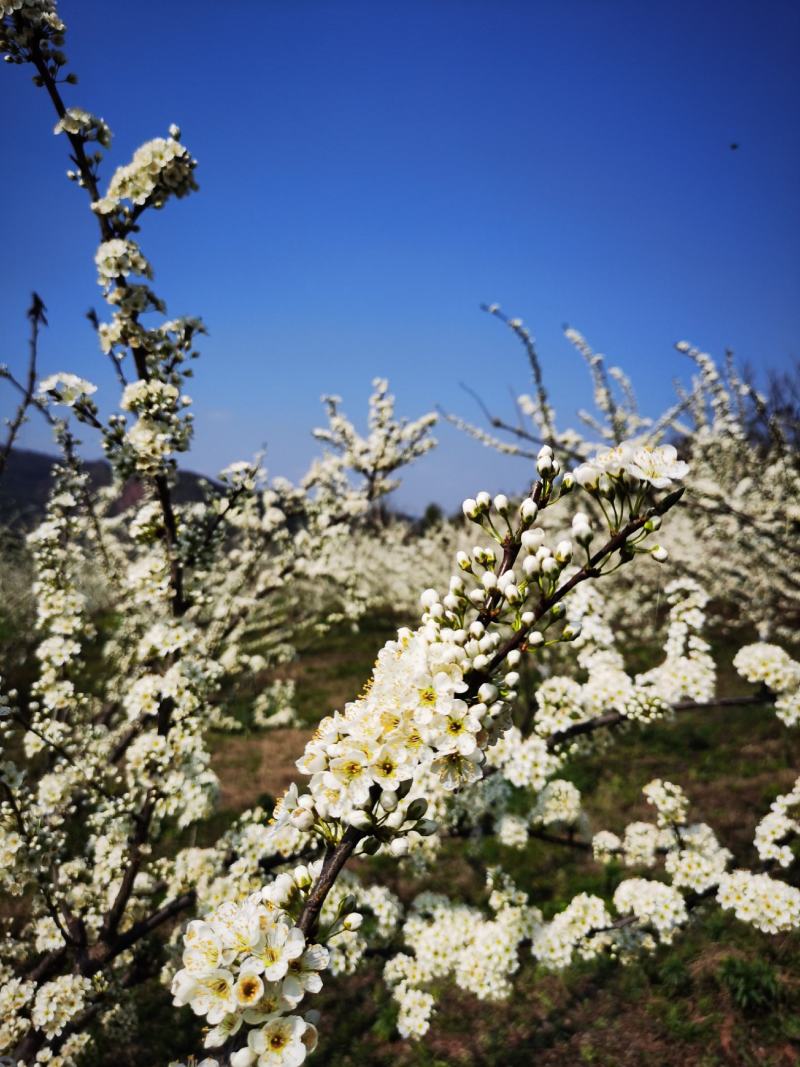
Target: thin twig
{"x": 37, "y": 318}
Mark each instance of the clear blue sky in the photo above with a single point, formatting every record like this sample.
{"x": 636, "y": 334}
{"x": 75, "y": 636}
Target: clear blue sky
{"x": 370, "y": 172}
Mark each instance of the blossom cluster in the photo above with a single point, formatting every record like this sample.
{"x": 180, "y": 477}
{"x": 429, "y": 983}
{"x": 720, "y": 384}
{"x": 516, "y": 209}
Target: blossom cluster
{"x": 777, "y": 831}
{"x": 23, "y": 21}
{"x": 773, "y": 667}
{"x": 91, "y": 128}
{"x": 635, "y": 463}
{"x": 767, "y": 904}
{"x": 247, "y": 964}
{"x": 159, "y": 169}
{"x": 64, "y": 388}
{"x": 412, "y": 714}
{"x": 448, "y": 940}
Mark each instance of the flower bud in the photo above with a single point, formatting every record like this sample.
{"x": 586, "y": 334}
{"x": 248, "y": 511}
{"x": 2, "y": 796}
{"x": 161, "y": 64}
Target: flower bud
{"x": 398, "y": 846}
{"x": 532, "y": 539}
{"x": 659, "y": 554}
{"x": 501, "y": 503}
{"x": 606, "y": 486}
{"x": 353, "y": 921}
{"x": 470, "y": 509}
{"x": 487, "y": 693}
{"x": 416, "y": 809}
{"x": 389, "y": 800}
{"x": 582, "y": 534}
{"x": 456, "y": 585}
{"x": 483, "y": 500}
{"x": 302, "y": 819}
{"x": 426, "y": 827}
{"x": 302, "y": 876}
{"x": 528, "y": 511}
{"x": 564, "y": 551}
{"x": 531, "y": 566}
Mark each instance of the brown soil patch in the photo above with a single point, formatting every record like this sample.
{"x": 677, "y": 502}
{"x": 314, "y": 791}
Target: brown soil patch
{"x": 250, "y": 766}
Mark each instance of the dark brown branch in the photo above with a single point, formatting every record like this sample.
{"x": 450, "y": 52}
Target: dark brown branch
{"x": 616, "y": 718}
{"x": 92, "y": 962}
{"x": 141, "y": 929}
{"x": 554, "y": 839}
{"x": 519, "y": 432}
{"x": 76, "y": 141}
{"x": 217, "y": 520}
{"x": 527, "y": 343}
{"x": 109, "y": 230}
{"x": 36, "y": 317}
{"x": 138, "y": 839}
{"x": 331, "y": 868}
{"x": 590, "y": 570}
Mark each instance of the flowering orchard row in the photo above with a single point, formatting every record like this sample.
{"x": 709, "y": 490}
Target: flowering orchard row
{"x": 106, "y": 772}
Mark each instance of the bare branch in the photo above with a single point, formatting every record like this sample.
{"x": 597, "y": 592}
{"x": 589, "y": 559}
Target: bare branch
{"x": 37, "y": 318}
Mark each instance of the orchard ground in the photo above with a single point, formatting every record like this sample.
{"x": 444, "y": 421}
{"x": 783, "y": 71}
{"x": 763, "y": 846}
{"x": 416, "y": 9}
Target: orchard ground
{"x": 723, "y": 994}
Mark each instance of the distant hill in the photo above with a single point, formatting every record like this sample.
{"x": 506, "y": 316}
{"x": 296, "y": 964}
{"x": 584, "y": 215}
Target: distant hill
{"x": 28, "y": 475}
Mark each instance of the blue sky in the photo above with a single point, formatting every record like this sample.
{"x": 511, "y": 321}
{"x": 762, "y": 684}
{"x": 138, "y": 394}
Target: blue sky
{"x": 371, "y": 172}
